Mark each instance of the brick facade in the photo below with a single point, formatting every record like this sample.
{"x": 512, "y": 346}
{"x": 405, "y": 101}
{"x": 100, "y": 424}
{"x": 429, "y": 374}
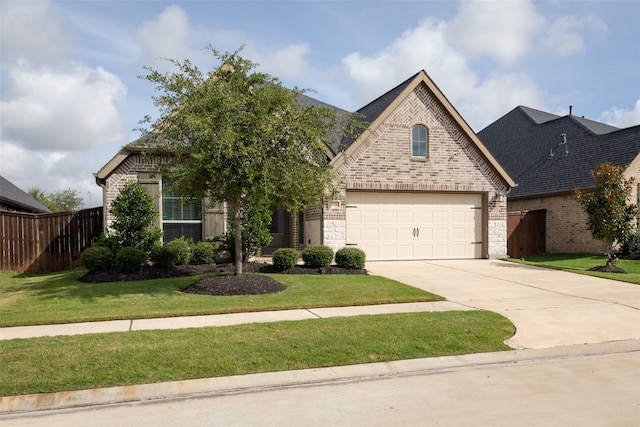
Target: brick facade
{"x": 566, "y": 230}
{"x": 383, "y": 162}
{"x": 125, "y": 172}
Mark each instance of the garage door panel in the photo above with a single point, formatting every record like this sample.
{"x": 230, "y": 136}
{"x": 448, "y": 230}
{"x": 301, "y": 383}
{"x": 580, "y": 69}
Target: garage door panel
{"x": 388, "y": 225}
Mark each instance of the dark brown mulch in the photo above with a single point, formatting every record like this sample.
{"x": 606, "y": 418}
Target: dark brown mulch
{"x": 608, "y": 269}
{"x": 246, "y": 284}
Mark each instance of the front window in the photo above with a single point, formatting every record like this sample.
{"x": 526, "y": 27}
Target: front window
{"x": 180, "y": 216}
{"x": 419, "y": 141}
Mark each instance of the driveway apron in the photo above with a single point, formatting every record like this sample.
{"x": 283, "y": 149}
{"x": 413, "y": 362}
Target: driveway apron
{"x": 548, "y": 307}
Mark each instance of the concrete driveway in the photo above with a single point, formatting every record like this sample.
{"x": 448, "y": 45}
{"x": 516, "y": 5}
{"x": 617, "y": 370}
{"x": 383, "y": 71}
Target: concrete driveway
{"x": 549, "y": 308}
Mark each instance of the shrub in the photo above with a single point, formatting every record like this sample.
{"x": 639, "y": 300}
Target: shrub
{"x": 97, "y": 258}
{"x": 182, "y": 247}
{"x": 175, "y": 252}
{"x": 135, "y": 215}
{"x": 254, "y": 230}
{"x": 317, "y": 256}
{"x": 203, "y": 253}
{"x": 130, "y": 260}
{"x": 631, "y": 244}
{"x": 284, "y": 258}
{"x": 164, "y": 256}
{"x": 350, "y": 258}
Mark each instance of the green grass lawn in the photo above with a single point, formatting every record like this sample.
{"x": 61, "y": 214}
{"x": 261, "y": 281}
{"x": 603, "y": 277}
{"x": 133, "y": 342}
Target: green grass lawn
{"x": 581, "y": 263}
{"x": 51, "y": 364}
{"x": 60, "y": 298}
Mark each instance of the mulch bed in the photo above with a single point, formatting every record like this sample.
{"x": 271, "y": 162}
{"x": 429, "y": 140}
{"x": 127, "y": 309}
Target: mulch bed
{"x": 221, "y": 285}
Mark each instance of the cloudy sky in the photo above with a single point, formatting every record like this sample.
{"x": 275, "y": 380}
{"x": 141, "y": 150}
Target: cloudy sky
{"x": 71, "y": 95}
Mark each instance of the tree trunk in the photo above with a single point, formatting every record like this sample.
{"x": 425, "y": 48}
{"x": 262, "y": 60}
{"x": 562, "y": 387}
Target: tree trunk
{"x": 237, "y": 223}
{"x": 610, "y": 257}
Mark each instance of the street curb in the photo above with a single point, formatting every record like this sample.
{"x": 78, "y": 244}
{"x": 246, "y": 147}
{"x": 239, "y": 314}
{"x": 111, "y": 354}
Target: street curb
{"x": 15, "y": 406}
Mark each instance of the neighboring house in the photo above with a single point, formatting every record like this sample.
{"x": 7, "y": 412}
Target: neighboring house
{"x": 417, "y": 184}
{"x": 14, "y": 199}
{"x": 549, "y": 156}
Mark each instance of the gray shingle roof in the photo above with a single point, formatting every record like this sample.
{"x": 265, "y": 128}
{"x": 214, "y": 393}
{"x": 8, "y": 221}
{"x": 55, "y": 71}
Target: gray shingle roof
{"x": 524, "y": 139}
{"x": 16, "y": 199}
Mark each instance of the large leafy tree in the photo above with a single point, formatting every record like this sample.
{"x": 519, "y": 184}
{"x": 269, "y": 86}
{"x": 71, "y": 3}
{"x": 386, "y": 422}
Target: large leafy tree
{"x": 59, "y": 200}
{"x": 609, "y": 213}
{"x": 240, "y": 136}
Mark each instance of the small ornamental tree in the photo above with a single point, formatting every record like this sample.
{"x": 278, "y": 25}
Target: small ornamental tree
{"x": 609, "y": 214}
{"x": 135, "y": 213}
{"x": 241, "y": 137}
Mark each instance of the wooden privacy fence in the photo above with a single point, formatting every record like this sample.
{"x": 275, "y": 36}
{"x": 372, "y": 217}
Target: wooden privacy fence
{"x": 43, "y": 243}
{"x": 526, "y": 233}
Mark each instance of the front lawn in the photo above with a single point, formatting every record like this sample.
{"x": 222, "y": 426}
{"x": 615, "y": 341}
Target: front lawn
{"x": 50, "y": 364}
{"x": 60, "y": 298}
{"x": 581, "y": 263}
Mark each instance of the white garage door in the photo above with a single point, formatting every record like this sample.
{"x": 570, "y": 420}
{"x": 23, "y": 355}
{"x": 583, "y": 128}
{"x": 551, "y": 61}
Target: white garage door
{"x": 402, "y": 226}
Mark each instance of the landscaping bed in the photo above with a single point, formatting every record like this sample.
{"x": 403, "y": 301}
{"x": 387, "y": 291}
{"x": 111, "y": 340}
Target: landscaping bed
{"x": 219, "y": 284}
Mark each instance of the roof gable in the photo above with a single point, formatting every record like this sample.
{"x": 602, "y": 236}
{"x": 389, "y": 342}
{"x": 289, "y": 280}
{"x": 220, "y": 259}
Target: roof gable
{"x": 534, "y": 153}
{"x": 377, "y": 111}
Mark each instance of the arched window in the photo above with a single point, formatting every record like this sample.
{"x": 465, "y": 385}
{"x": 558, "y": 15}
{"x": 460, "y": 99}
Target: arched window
{"x": 419, "y": 137}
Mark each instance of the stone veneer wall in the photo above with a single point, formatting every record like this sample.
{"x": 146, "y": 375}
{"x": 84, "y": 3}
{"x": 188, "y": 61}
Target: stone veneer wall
{"x": 383, "y": 162}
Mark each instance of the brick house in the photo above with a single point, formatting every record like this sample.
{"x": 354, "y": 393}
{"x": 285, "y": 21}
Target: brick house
{"x": 549, "y": 156}
{"x": 416, "y": 184}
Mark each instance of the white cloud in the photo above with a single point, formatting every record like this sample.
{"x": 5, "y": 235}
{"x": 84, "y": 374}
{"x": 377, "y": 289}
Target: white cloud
{"x": 69, "y": 106}
{"x": 564, "y": 36}
{"x": 289, "y": 62}
{"x": 502, "y": 30}
{"x": 34, "y": 31}
{"x": 499, "y": 94}
{"x": 423, "y": 47}
{"x": 480, "y": 101}
{"x": 167, "y": 36}
{"x": 623, "y": 118}
{"x": 171, "y": 35}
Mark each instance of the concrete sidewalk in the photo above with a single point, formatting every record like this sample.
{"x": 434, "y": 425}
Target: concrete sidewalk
{"x": 221, "y": 319}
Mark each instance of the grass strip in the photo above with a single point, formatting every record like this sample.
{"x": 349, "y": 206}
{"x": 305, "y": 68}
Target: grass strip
{"x": 52, "y": 364}
{"x": 60, "y": 298}
{"x": 581, "y": 263}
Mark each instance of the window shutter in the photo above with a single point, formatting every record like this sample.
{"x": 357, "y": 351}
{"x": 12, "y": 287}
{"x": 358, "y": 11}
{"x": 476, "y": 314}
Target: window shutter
{"x": 151, "y": 184}
{"x": 214, "y": 223}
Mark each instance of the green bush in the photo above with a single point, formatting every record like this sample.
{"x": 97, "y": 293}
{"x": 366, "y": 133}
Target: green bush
{"x": 631, "y": 244}
{"x": 255, "y": 232}
{"x": 97, "y": 258}
{"x": 182, "y": 247}
{"x": 284, "y": 258}
{"x": 203, "y": 253}
{"x": 350, "y": 258}
{"x": 130, "y": 260}
{"x": 175, "y": 252}
{"x": 135, "y": 213}
{"x": 317, "y": 256}
{"x": 164, "y": 256}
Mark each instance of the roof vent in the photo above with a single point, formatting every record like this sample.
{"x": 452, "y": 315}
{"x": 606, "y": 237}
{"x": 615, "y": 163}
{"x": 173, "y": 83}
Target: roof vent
{"x": 563, "y": 141}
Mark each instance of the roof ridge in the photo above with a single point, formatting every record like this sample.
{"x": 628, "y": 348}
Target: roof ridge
{"x": 537, "y": 116}
{"x": 595, "y": 127}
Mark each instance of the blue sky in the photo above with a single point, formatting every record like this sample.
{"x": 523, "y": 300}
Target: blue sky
{"x": 71, "y": 96}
